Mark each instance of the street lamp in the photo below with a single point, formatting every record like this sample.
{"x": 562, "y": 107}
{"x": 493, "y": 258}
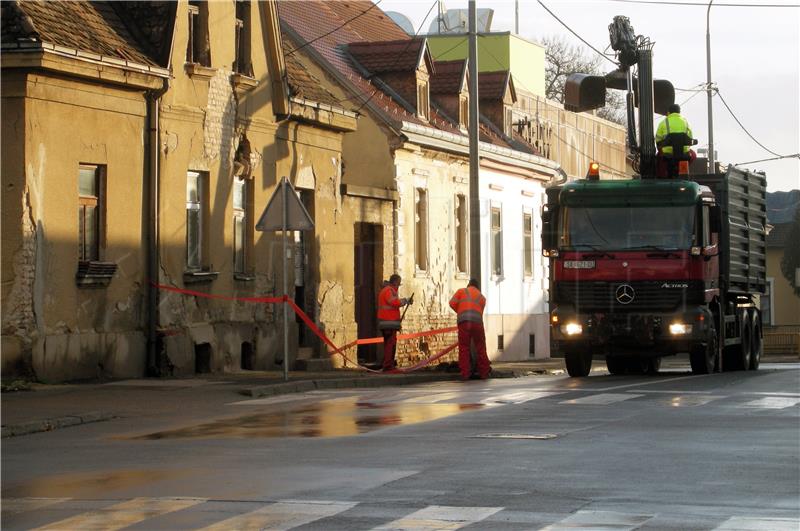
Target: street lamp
{"x": 711, "y": 162}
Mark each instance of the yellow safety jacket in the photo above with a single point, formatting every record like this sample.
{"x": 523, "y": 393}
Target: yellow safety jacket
{"x": 673, "y": 123}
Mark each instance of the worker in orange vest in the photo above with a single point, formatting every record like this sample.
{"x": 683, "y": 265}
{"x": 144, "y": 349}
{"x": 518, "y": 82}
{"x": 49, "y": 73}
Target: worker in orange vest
{"x": 389, "y": 319}
{"x": 469, "y": 303}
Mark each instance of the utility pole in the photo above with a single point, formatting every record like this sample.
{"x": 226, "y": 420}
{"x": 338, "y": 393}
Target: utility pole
{"x": 516, "y": 17}
{"x": 474, "y": 163}
{"x": 709, "y": 92}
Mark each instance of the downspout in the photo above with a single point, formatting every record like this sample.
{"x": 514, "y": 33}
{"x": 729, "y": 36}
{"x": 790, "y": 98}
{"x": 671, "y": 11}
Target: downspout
{"x": 153, "y": 243}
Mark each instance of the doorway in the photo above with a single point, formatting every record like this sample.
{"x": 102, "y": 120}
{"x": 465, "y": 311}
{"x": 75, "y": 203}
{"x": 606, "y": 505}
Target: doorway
{"x": 368, "y": 258}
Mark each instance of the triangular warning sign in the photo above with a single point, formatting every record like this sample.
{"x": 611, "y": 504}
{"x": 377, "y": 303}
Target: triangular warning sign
{"x": 297, "y": 216}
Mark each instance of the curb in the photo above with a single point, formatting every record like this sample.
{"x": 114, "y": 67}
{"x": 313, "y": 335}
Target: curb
{"x": 38, "y": 426}
{"x": 345, "y": 383}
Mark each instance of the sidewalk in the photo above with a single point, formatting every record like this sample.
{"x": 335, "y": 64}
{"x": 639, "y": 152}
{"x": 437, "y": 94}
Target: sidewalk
{"x": 50, "y": 407}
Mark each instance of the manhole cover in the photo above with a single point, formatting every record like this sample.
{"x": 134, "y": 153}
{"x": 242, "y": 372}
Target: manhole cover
{"x": 538, "y": 436}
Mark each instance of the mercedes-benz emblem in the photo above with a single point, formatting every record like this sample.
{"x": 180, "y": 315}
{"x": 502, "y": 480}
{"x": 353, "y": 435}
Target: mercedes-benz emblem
{"x": 625, "y": 294}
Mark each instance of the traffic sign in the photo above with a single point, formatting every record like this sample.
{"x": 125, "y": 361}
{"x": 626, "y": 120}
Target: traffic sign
{"x": 284, "y": 197}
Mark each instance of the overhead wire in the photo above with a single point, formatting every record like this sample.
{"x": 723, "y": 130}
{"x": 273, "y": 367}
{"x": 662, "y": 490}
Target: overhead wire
{"x": 334, "y": 30}
{"x": 793, "y": 156}
{"x": 725, "y": 103}
{"x": 699, "y": 4}
{"x": 601, "y": 54}
{"x": 410, "y": 41}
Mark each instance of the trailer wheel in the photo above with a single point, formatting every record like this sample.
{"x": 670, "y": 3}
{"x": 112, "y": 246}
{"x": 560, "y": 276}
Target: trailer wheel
{"x": 702, "y": 357}
{"x": 757, "y": 344}
{"x": 742, "y": 355}
{"x": 616, "y": 364}
{"x": 579, "y": 363}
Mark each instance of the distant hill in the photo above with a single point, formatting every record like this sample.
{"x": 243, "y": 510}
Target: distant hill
{"x": 781, "y": 206}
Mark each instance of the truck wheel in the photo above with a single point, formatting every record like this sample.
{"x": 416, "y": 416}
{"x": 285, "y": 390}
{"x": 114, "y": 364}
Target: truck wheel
{"x": 757, "y": 344}
{"x": 616, "y": 364}
{"x": 579, "y": 364}
{"x": 654, "y": 365}
{"x": 701, "y": 357}
{"x": 742, "y": 354}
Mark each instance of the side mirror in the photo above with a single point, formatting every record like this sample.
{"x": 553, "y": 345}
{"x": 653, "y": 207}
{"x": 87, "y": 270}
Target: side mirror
{"x": 549, "y": 229}
{"x": 715, "y": 219}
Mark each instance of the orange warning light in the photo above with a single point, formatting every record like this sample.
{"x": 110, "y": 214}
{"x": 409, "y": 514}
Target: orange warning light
{"x": 594, "y": 171}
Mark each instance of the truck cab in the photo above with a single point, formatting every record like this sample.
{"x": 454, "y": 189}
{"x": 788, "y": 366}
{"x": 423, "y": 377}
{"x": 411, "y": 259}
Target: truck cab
{"x": 636, "y": 274}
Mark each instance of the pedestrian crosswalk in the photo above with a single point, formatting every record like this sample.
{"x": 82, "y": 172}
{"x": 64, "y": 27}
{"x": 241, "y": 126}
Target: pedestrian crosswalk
{"x": 200, "y": 513}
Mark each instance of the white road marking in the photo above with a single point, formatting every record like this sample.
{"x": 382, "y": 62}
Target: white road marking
{"x": 21, "y": 505}
{"x": 672, "y": 391}
{"x": 599, "y": 520}
{"x": 283, "y": 515}
{"x": 518, "y": 398}
{"x": 440, "y": 517}
{"x": 601, "y": 399}
{"x": 124, "y": 514}
{"x": 274, "y": 400}
{"x": 689, "y": 400}
{"x": 771, "y": 402}
{"x": 752, "y": 523}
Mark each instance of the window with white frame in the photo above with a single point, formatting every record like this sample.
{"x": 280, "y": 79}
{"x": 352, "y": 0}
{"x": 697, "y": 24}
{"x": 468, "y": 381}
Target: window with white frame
{"x": 497, "y": 241}
{"x": 421, "y": 229}
{"x": 196, "y": 215}
{"x": 527, "y": 244}
{"x": 462, "y": 234}
{"x": 240, "y": 224}
{"x": 91, "y": 209}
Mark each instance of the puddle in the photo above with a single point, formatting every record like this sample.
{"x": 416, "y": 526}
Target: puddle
{"x": 330, "y": 418}
{"x": 88, "y": 484}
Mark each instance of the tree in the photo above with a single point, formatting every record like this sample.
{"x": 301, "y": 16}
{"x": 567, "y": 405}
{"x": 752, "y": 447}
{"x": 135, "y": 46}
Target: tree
{"x": 790, "y": 263}
{"x": 563, "y": 59}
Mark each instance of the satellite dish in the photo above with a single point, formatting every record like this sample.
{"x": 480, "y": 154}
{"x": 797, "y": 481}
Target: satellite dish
{"x": 402, "y": 21}
{"x": 456, "y": 21}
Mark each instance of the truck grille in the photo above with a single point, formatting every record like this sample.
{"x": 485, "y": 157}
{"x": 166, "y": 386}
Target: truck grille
{"x": 645, "y": 296}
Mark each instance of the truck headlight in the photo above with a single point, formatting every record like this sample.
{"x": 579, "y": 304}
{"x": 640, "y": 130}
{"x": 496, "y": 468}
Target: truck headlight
{"x": 572, "y": 329}
{"x": 680, "y": 329}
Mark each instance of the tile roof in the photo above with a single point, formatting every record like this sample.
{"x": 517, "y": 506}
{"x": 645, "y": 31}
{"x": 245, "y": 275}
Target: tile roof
{"x": 388, "y": 56}
{"x": 779, "y": 235}
{"x": 332, "y": 29}
{"x": 448, "y": 76}
{"x": 492, "y": 85}
{"x": 94, "y": 27}
{"x": 302, "y": 83}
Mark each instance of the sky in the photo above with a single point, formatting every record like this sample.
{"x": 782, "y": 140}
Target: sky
{"x": 755, "y": 64}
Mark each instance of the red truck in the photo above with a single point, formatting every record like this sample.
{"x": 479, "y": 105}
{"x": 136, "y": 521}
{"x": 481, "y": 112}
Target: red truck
{"x": 651, "y": 267}
{"x": 646, "y": 268}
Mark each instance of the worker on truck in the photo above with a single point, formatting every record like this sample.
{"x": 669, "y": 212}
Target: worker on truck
{"x": 673, "y": 132}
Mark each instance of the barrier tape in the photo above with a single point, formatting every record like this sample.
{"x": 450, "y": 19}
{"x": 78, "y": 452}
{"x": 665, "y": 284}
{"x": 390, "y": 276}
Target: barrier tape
{"x": 315, "y": 329}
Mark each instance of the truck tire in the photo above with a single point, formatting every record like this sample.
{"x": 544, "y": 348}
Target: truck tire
{"x": 701, "y": 357}
{"x": 654, "y": 365}
{"x": 616, "y": 364}
{"x": 757, "y": 344}
{"x": 741, "y": 355}
{"x": 579, "y": 363}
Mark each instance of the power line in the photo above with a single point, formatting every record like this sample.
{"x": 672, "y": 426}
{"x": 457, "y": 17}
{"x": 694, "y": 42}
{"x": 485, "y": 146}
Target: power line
{"x": 604, "y": 56}
{"x": 334, "y": 30}
{"x": 410, "y": 41}
{"x": 795, "y": 156}
{"x": 743, "y": 127}
{"x": 701, "y": 4}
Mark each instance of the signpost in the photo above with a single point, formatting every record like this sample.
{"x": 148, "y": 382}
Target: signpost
{"x": 285, "y": 212}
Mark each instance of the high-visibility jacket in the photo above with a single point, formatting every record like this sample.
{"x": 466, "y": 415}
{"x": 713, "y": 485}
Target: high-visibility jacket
{"x": 673, "y": 123}
{"x": 388, "y": 309}
{"x": 468, "y": 304}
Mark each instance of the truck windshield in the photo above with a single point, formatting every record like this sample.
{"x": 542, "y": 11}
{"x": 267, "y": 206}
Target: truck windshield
{"x": 627, "y": 228}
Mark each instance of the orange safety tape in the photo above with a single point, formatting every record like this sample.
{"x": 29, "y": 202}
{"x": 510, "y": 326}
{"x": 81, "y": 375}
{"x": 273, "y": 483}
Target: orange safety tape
{"x": 314, "y": 328}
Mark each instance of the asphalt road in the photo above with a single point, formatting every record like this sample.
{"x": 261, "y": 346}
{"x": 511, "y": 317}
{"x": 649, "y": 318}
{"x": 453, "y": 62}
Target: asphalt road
{"x": 672, "y": 451}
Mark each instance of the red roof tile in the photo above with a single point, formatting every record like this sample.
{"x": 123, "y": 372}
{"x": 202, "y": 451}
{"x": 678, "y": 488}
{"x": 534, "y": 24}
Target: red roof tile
{"x": 88, "y": 26}
{"x": 492, "y": 85}
{"x": 448, "y": 76}
{"x": 388, "y": 56}
{"x": 302, "y": 83}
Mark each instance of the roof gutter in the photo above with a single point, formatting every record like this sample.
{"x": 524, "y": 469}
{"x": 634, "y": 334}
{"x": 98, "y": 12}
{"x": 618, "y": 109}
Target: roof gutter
{"x": 438, "y": 139}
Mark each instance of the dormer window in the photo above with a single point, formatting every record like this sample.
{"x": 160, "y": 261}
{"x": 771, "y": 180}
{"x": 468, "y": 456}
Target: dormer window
{"x": 423, "y": 100}
{"x": 463, "y": 112}
{"x": 198, "y": 50}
